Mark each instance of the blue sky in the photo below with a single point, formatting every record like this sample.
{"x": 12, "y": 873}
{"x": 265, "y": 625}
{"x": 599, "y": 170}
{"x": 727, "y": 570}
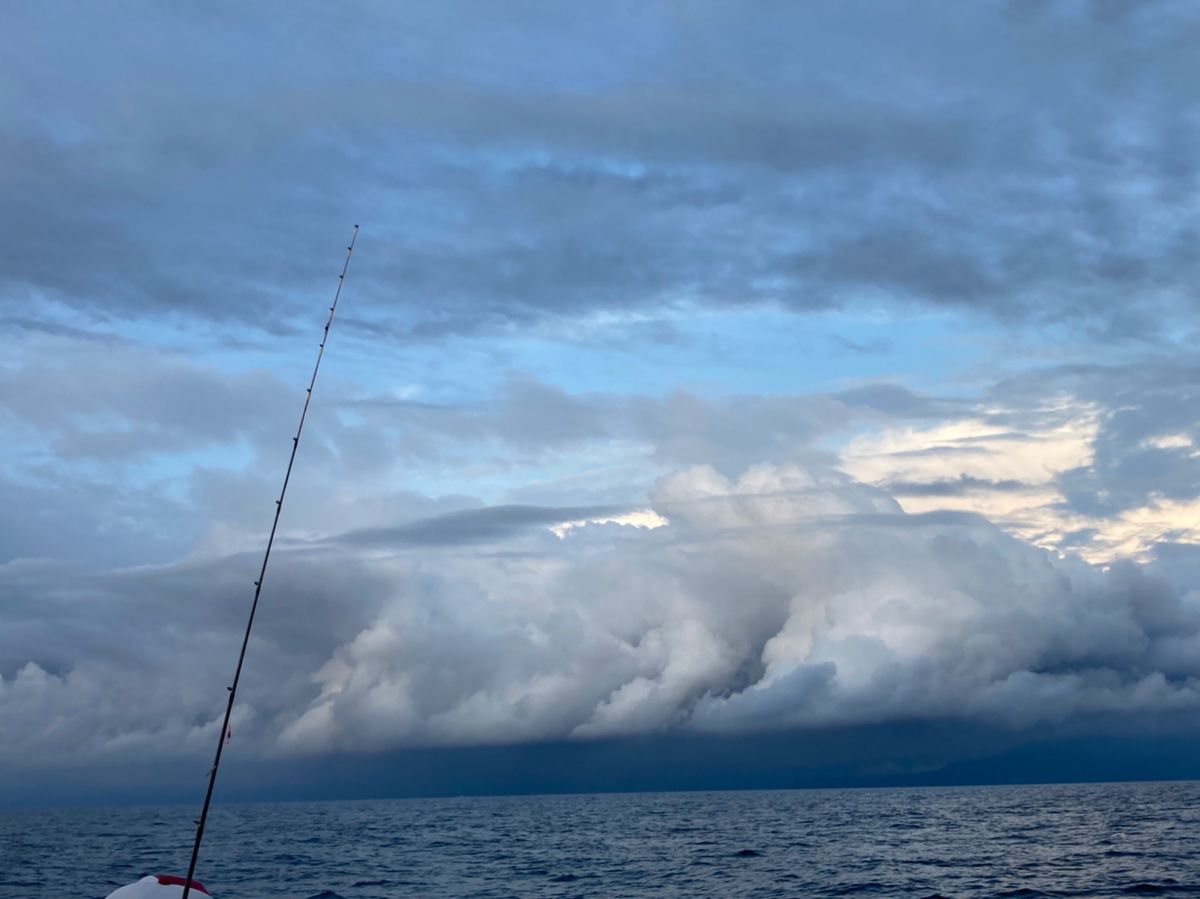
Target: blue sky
{"x": 703, "y": 369}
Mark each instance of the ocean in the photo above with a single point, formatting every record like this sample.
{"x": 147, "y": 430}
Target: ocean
{"x": 1011, "y": 841}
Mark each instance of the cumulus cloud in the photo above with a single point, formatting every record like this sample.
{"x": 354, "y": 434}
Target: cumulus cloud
{"x": 787, "y": 597}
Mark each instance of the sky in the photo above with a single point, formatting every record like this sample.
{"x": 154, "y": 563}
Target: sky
{"x": 708, "y": 377}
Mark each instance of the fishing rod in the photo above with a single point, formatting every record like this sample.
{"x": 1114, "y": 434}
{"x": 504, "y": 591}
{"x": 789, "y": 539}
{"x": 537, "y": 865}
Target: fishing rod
{"x": 262, "y": 573}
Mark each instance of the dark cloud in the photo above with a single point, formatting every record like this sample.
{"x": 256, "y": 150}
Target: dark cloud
{"x": 121, "y": 403}
{"x": 475, "y": 525}
{"x": 924, "y": 753}
{"x": 1128, "y": 468}
{"x": 809, "y": 157}
{"x": 1179, "y": 563}
{"x": 73, "y": 518}
{"x": 1148, "y": 413}
{"x": 900, "y": 402}
{"x": 962, "y": 485}
{"x": 945, "y": 449}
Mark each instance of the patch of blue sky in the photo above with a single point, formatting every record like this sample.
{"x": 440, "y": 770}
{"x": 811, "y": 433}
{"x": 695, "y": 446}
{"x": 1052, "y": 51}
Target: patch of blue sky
{"x": 757, "y": 350}
{"x": 173, "y": 467}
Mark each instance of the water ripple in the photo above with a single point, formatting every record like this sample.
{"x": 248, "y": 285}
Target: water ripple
{"x": 1116, "y": 840}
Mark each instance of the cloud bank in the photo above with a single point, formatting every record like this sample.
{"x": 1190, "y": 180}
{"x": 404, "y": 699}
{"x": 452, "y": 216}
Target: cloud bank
{"x": 789, "y": 597}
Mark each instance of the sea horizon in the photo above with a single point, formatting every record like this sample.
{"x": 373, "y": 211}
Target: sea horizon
{"x": 433, "y": 797}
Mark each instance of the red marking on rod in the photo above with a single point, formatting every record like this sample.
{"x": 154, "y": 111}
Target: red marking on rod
{"x": 172, "y": 880}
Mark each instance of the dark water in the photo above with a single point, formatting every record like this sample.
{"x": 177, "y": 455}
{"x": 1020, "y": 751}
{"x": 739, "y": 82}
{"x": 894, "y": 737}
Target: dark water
{"x": 1085, "y": 840}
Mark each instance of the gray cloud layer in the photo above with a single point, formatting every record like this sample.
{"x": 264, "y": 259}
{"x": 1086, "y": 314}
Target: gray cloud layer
{"x": 546, "y": 162}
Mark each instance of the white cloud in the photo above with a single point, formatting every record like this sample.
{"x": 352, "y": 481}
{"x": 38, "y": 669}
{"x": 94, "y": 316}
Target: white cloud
{"x": 787, "y": 596}
{"x": 1027, "y": 462}
{"x": 639, "y": 518}
{"x": 1168, "y": 441}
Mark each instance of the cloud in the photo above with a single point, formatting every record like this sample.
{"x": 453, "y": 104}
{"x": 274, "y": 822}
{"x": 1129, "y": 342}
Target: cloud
{"x": 187, "y": 450}
{"x": 1099, "y": 460}
{"x": 783, "y": 599}
{"x": 479, "y": 525}
{"x": 963, "y": 484}
{"x": 120, "y": 404}
{"x": 808, "y": 159}
{"x": 786, "y": 597}
{"x": 1015, "y": 196}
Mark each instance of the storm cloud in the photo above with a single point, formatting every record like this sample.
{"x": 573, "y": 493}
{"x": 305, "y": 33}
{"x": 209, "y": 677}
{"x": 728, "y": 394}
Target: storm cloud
{"x": 789, "y": 597}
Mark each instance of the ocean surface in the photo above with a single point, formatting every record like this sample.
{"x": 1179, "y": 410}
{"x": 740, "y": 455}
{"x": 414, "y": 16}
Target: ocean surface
{"x": 1028, "y": 841}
